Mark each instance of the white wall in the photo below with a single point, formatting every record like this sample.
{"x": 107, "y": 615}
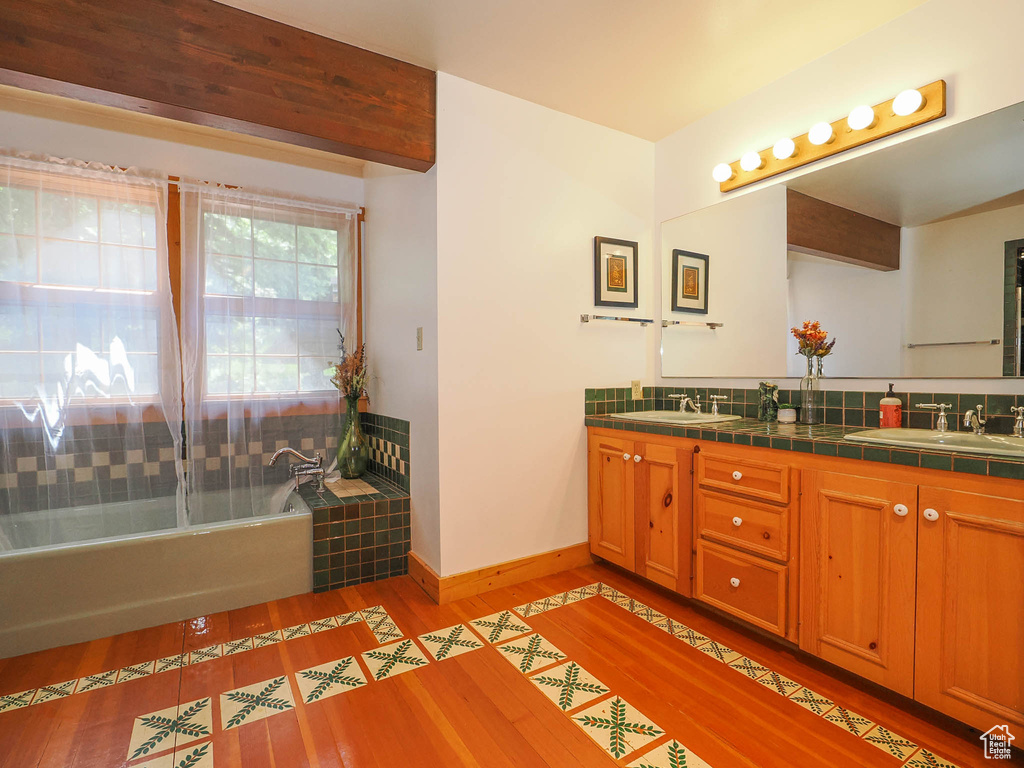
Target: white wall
{"x": 954, "y": 291}
{"x": 521, "y": 192}
{"x": 400, "y": 294}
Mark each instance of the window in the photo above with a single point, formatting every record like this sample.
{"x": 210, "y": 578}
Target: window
{"x": 81, "y": 261}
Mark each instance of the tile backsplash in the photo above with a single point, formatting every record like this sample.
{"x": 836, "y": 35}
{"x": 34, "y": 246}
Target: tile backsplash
{"x": 842, "y": 408}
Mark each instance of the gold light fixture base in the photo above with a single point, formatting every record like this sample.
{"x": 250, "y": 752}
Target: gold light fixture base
{"x": 887, "y": 123}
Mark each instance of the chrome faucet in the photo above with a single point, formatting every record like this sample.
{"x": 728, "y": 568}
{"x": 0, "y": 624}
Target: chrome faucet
{"x": 305, "y": 467}
{"x": 685, "y": 400}
{"x": 942, "y": 424}
{"x": 973, "y": 420}
{"x": 1018, "y": 422}
{"x": 714, "y": 403}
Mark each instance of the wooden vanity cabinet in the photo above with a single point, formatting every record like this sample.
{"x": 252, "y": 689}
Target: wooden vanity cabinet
{"x": 970, "y": 606}
{"x": 610, "y": 499}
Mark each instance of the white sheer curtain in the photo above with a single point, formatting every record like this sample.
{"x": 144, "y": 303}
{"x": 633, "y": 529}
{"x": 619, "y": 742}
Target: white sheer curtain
{"x": 267, "y": 283}
{"x": 90, "y": 394}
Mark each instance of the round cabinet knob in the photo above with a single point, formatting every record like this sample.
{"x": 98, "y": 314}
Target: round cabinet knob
{"x": 626, "y": 457}
{"x": 901, "y": 510}
{"x": 737, "y": 521}
{"x": 638, "y": 458}
{"x": 734, "y": 581}
{"x": 737, "y": 475}
{"x": 931, "y": 514}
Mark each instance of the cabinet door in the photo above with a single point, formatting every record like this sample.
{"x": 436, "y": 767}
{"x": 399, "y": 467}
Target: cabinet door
{"x": 858, "y": 539}
{"x": 662, "y": 508}
{"x": 610, "y": 481}
{"x": 970, "y": 607}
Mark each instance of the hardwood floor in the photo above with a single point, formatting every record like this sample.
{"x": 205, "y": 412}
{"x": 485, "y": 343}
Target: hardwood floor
{"x": 470, "y": 709}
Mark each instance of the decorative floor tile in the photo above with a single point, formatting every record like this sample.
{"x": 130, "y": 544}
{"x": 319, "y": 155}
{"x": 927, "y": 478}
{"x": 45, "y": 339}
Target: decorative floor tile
{"x": 373, "y": 612}
{"x": 671, "y": 754}
{"x": 582, "y": 593}
{"x": 719, "y": 651}
{"x": 171, "y": 662}
{"x": 692, "y": 637}
{"x": 92, "y": 682}
{"x": 617, "y": 727}
{"x": 926, "y": 759}
{"x": 170, "y": 727}
{"x": 648, "y": 614}
{"x": 206, "y": 654}
{"x": 13, "y": 701}
{"x": 815, "y": 702}
{"x": 197, "y": 756}
{"x": 299, "y": 630}
{"x": 622, "y": 599}
{"x": 566, "y": 598}
{"x": 886, "y": 740}
{"x": 778, "y": 683}
{"x": 255, "y": 702}
{"x": 500, "y": 626}
{"x": 394, "y": 659}
{"x": 266, "y": 638}
{"x": 669, "y": 625}
{"x": 856, "y": 724}
{"x": 329, "y": 679}
{"x": 344, "y": 619}
{"x": 384, "y": 629}
{"x": 531, "y": 652}
{"x": 52, "y": 692}
{"x": 748, "y": 667}
{"x": 238, "y": 646}
{"x": 569, "y": 685}
{"x": 322, "y": 625}
{"x": 135, "y": 671}
{"x": 445, "y": 643}
{"x": 537, "y": 606}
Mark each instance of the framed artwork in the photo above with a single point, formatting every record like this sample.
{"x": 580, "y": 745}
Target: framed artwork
{"x": 689, "y": 282}
{"x": 615, "y": 267}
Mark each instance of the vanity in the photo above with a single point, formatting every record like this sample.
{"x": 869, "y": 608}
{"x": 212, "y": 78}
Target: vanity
{"x": 907, "y": 575}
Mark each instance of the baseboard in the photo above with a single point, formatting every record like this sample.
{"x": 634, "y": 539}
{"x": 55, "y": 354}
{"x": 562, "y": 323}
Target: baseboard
{"x": 448, "y": 588}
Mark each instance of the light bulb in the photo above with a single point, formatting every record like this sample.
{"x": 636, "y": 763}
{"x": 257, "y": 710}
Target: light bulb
{"x": 751, "y": 161}
{"x": 907, "y": 102}
{"x": 861, "y": 117}
{"x": 820, "y": 133}
{"x": 784, "y": 149}
{"x": 722, "y": 172}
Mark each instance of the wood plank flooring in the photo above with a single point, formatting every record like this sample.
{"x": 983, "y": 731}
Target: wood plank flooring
{"x": 475, "y": 708}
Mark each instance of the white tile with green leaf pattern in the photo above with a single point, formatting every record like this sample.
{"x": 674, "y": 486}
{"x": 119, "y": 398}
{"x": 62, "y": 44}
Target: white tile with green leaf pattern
{"x": 500, "y": 626}
{"x": 255, "y": 702}
{"x": 618, "y": 727}
{"x": 530, "y": 652}
{"x": 569, "y": 685}
{"x": 193, "y": 756}
{"x": 171, "y": 727}
{"x": 451, "y": 641}
{"x": 394, "y": 659}
{"x": 671, "y": 754}
{"x": 330, "y": 679}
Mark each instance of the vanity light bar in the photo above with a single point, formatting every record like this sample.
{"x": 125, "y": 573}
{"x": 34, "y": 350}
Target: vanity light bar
{"x": 864, "y": 124}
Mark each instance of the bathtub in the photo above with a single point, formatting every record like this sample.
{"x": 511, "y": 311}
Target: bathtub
{"x": 139, "y": 570}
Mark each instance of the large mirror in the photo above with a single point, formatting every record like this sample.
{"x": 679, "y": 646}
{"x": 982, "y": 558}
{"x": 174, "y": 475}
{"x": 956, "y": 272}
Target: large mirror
{"x": 911, "y": 257}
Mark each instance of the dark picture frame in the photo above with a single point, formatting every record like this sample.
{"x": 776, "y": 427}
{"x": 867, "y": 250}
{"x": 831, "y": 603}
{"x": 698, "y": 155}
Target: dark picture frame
{"x": 690, "y": 294}
{"x": 615, "y": 272}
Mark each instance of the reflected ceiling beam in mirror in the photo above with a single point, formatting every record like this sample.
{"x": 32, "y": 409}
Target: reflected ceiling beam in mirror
{"x": 886, "y": 123}
{"x": 821, "y": 229}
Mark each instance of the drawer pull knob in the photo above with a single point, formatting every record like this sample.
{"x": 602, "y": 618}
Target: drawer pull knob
{"x": 737, "y": 521}
{"x": 638, "y": 458}
{"x": 901, "y": 510}
{"x": 737, "y": 475}
{"x": 734, "y": 581}
{"x": 626, "y": 457}
{"x": 766, "y": 535}
{"x": 931, "y": 514}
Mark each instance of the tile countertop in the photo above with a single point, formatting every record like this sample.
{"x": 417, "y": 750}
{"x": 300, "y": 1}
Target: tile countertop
{"x": 382, "y": 490}
{"x": 821, "y": 440}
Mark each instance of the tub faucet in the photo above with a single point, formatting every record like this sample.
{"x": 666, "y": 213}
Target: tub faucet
{"x": 1018, "y": 422}
{"x": 973, "y": 420}
{"x": 305, "y": 467}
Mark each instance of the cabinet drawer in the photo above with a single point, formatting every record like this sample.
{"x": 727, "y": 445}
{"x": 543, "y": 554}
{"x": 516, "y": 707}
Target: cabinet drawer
{"x": 759, "y": 528}
{"x": 748, "y": 587}
{"x": 759, "y": 479}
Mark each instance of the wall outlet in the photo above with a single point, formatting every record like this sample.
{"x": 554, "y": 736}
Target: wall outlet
{"x": 419, "y": 339}
{"x": 638, "y": 391}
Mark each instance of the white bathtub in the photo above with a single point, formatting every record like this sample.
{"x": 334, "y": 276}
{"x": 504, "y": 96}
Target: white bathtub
{"x": 81, "y": 590}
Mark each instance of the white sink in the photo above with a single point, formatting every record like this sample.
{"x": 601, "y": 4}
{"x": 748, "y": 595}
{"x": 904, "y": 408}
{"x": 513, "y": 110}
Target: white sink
{"x": 675, "y": 417}
{"x": 927, "y": 439}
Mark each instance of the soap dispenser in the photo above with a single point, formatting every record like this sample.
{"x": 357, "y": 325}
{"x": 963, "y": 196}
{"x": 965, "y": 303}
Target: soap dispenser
{"x": 890, "y": 411}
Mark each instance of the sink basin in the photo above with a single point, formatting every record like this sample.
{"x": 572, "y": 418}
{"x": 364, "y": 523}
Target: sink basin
{"x": 675, "y": 417}
{"x": 927, "y": 439}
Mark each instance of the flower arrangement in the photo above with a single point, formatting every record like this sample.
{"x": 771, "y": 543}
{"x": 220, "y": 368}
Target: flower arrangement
{"x": 349, "y": 375}
{"x": 813, "y": 340}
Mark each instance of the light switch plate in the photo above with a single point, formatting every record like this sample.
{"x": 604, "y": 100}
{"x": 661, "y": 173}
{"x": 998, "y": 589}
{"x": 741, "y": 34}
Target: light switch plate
{"x": 419, "y": 339}
{"x": 638, "y": 391}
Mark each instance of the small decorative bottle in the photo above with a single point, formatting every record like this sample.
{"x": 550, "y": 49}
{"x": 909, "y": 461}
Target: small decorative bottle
{"x": 353, "y": 448}
{"x": 812, "y": 404}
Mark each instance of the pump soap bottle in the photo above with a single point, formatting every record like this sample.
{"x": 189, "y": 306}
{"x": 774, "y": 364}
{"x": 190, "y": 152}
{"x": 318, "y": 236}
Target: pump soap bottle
{"x": 890, "y": 411}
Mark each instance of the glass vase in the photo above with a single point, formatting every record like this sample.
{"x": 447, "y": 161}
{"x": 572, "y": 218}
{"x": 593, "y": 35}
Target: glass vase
{"x": 812, "y": 405}
{"x": 353, "y": 447}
